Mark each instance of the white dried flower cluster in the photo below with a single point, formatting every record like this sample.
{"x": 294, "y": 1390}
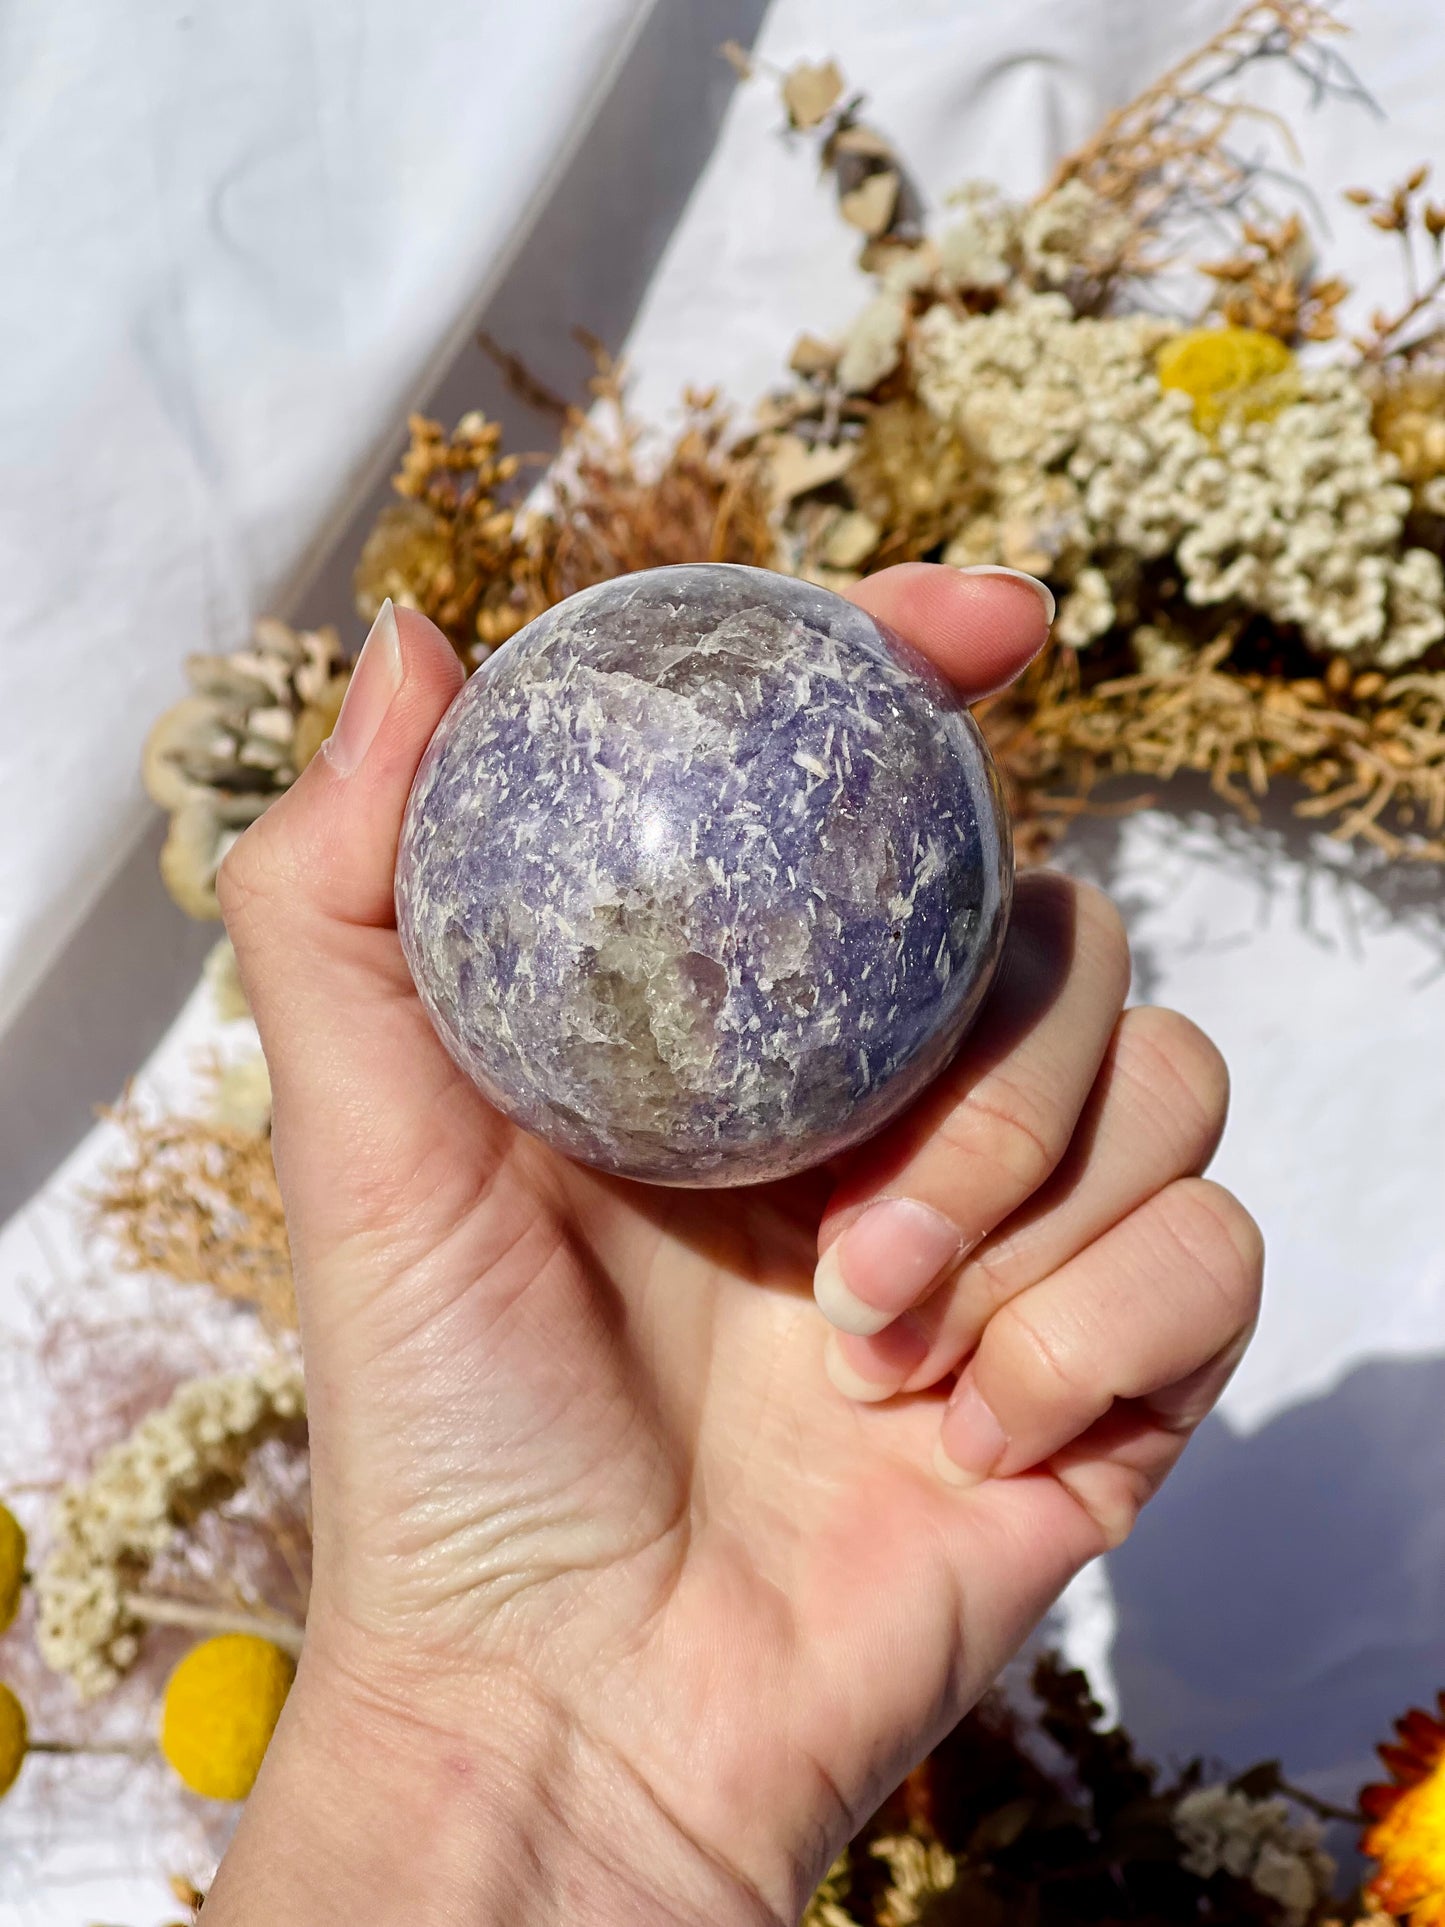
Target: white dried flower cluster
{"x": 1068, "y": 232}
{"x": 107, "y": 1531}
{"x": 1086, "y": 611}
{"x": 874, "y": 342}
{"x": 977, "y": 250}
{"x": 1302, "y": 517}
{"x": 1255, "y": 1840}
{"x": 1299, "y": 515}
{"x": 1054, "y": 405}
{"x": 1050, "y": 242}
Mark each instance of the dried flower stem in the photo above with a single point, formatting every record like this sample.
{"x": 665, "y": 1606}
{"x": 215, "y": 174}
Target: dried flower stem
{"x": 1167, "y": 152}
{"x": 1378, "y": 762}
{"x": 102, "y": 1749}
{"x": 152, "y": 1610}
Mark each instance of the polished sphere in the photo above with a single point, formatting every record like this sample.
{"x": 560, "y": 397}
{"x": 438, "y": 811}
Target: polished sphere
{"x": 703, "y": 875}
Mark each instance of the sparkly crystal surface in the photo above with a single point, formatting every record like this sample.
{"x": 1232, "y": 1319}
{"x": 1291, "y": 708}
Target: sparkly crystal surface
{"x": 703, "y": 875}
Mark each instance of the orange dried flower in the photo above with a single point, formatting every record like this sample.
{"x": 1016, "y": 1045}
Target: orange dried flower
{"x": 1407, "y": 1835}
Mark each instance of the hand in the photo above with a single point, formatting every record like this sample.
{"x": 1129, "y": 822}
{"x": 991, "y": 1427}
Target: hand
{"x": 622, "y": 1589}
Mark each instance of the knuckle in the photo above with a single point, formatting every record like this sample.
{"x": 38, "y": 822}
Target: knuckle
{"x": 989, "y": 1279}
{"x": 255, "y": 873}
{"x": 1046, "y": 1357}
{"x": 1103, "y": 937}
{"x": 1112, "y": 1495}
{"x": 1179, "y": 1074}
{"x": 1222, "y": 1241}
{"x": 1010, "y": 1134}
{"x": 241, "y": 879}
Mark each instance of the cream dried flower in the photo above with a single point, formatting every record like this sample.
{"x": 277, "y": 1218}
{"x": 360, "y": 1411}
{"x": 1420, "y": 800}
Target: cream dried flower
{"x": 920, "y": 1872}
{"x": 1259, "y": 1841}
{"x": 1070, "y": 232}
{"x": 1299, "y": 515}
{"x": 978, "y": 250}
{"x": 223, "y": 979}
{"x": 221, "y": 755}
{"x": 105, "y": 1533}
{"x": 1159, "y": 653}
{"x": 241, "y": 1099}
{"x": 874, "y": 343}
{"x": 1087, "y": 611}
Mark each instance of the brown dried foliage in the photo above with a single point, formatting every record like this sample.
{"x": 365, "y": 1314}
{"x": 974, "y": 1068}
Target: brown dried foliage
{"x": 1419, "y": 224}
{"x": 1368, "y": 749}
{"x": 198, "y": 1201}
{"x": 457, "y": 549}
{"x": 1169, "y": 151}
{"x": 1044, "y": 1816}
{"x": 614, "y": 512}
{"x": 451, "y": 546}
{"x": 915, "y": 476}
{"x": 1269, "y": 283}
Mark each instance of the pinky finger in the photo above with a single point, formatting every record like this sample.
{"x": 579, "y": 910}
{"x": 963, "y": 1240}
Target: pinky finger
{"x": 1152, "y": 1315}
{"x": 1118, "y": 1465}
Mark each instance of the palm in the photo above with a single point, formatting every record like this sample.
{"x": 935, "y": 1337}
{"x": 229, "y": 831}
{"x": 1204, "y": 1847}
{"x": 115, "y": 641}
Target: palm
{"x": 703, "y": 1489}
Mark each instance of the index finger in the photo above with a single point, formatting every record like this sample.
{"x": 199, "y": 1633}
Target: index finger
{"x": 979, "y": 626}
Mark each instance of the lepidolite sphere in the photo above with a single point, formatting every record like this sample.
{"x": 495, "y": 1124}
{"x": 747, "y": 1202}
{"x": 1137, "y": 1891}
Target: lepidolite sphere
{"x": 703, "y": 875}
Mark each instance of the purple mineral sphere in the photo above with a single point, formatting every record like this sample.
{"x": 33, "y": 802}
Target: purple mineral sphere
{"x": 703, "y": 875}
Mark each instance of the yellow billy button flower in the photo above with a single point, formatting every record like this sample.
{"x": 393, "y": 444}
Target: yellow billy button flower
{"x": 221, "y": 1707}
{"x": 1239, "y": 372}
{"x": 1407, "y": 1837}
{"x": 12, "y": 1565}
{"x": 14, "y": 1739}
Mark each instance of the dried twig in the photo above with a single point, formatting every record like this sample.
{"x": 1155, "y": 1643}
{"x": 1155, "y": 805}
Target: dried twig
{"x": 1370, "y": 751}
{"x": 1169, "y": 153}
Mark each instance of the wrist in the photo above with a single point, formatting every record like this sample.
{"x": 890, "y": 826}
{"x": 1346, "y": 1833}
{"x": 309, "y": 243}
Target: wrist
{"x": 366, "y": 1811}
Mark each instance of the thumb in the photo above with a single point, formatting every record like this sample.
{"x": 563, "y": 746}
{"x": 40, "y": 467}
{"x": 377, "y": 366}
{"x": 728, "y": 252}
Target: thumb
{"x": 361, "y": 1084}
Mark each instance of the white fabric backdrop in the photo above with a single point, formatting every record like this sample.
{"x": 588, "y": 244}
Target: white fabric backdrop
{"x": 235, "y": 241}
{"x": 1287, "y": 1593}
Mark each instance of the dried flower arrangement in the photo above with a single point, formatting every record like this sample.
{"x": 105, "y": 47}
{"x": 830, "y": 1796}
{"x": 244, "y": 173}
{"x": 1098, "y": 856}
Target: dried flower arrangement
{"x": 1244, "y": 520}
{"x": 1243, "y": 516}
{"x": 1036, "y": 1812}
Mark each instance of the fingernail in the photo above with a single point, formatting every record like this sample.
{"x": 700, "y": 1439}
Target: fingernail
{"x": 970, "y": 1441}
{"x": 883, "y": 1263}
{"x": 374, "y": 682}
{"x": 852, "y": 1384}
{"x": 1041, "y": 589}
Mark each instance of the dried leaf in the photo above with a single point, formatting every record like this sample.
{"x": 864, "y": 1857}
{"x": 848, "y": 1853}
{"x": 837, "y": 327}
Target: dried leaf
{"x": 813, "y": 356}
{"x": 850, "y": 541}
{"x": 810, "y": 91}
{"x": 871, "y": 205}
{"x": 865, "y": 142}
{"x": 795, "y": 468}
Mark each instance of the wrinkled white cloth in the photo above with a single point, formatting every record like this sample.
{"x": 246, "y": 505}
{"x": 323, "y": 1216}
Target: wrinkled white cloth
{"x": 1286, "y": 1596}
{"x": 237, "y": 242}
